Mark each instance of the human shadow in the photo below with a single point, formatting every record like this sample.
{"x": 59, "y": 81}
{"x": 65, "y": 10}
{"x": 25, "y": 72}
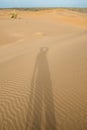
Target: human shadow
{"x": 41, "y": 97}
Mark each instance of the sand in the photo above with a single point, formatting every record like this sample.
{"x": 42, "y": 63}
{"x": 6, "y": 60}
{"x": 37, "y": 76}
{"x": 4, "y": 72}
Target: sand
{"x": 43, "y": 70}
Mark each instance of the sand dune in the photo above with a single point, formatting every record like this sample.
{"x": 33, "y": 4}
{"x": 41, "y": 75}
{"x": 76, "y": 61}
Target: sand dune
{"x": 43, "y": 72}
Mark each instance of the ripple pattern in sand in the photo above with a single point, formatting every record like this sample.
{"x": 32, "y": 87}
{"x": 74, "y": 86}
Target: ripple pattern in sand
{"x": 40, "y": 104}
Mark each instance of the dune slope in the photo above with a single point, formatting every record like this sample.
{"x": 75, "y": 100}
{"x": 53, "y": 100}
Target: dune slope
{"x": 43, "y": 74}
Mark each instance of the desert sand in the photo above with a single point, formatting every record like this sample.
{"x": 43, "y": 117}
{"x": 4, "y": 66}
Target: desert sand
{"x": 43, "y": 70}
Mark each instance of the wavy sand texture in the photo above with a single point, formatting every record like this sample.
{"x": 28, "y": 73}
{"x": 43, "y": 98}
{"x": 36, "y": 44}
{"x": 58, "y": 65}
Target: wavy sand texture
{"x": 43, "y": 75}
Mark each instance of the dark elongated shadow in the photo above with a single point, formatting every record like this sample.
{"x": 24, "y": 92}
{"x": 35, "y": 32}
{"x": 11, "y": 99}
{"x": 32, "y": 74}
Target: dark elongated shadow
{"x": 42, "y": 114}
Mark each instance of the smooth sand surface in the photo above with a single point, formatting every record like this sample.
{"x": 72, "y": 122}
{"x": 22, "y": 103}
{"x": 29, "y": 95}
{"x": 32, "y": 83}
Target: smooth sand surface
{"x": 43, "y": 71}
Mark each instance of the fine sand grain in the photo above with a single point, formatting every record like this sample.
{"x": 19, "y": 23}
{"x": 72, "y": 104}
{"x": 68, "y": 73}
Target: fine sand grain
{"x": 43, "y": 70}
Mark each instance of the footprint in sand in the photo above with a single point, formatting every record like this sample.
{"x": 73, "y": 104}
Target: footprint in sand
{"x": 40, "y": 34}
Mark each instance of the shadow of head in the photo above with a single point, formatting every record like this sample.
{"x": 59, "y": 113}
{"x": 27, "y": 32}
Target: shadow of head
{"x": 44, "y": 50}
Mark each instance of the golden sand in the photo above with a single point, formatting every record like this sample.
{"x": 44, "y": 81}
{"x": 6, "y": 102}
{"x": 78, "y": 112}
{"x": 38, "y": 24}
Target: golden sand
{"x": 43, "y": 70}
